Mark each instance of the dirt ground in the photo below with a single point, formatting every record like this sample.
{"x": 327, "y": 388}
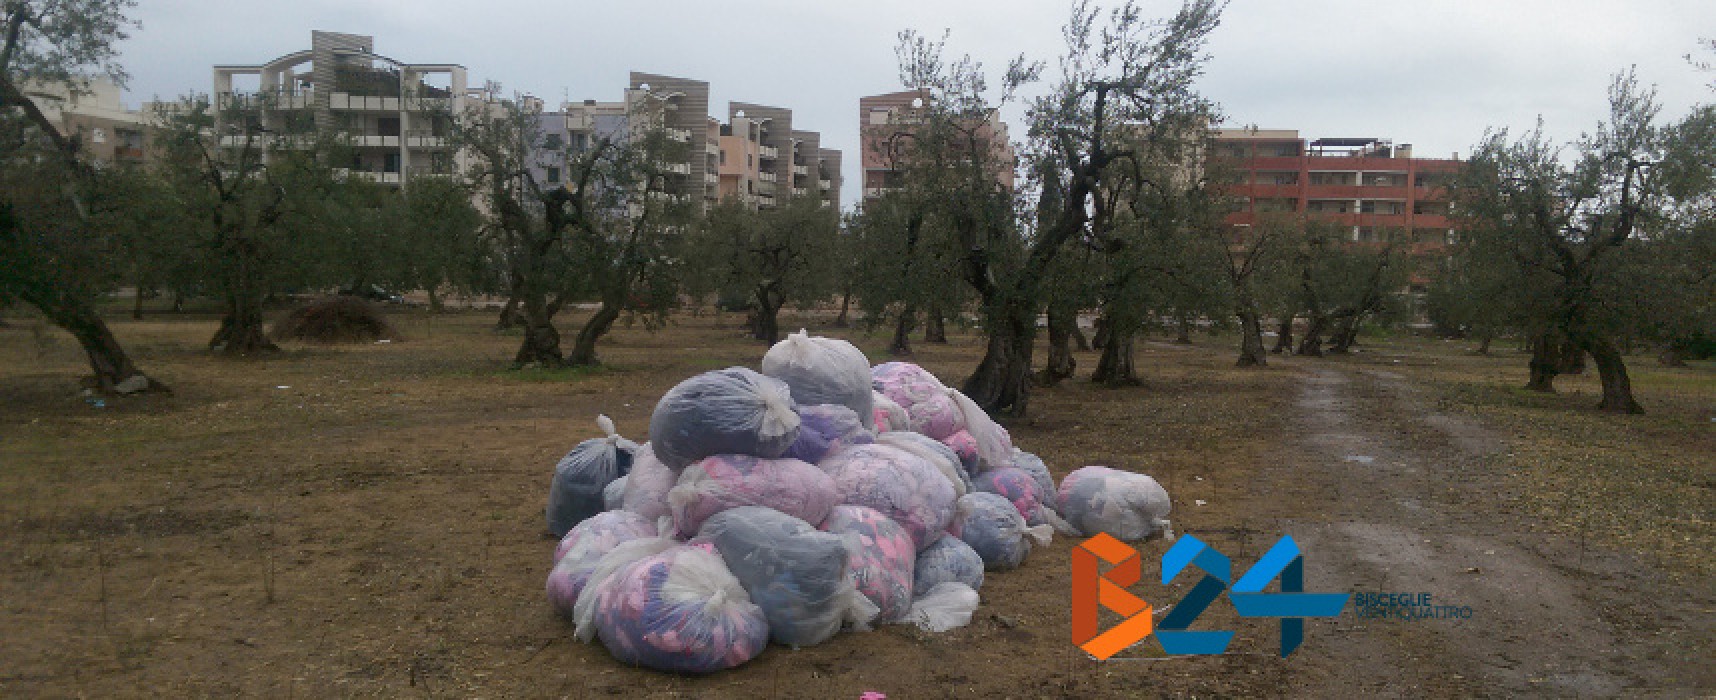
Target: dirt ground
{"x": 366, "y": 520}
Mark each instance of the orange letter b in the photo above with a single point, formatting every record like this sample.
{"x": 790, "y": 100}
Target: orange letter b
{"x": 1090, "y": 588}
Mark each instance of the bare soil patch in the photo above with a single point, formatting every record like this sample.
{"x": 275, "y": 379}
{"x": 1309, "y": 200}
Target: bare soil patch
{"x": 365, "y": 520}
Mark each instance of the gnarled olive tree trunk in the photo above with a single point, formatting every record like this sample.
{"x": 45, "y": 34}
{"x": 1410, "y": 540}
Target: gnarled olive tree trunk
{"x": 1283, "y": 336}
{"x": 901, "y": 345}
{"x": 112, "y": 369}
{"x": 1063, "y": 326}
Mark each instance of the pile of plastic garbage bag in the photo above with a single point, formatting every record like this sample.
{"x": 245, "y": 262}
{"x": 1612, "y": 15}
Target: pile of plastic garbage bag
{"x": 816, "y": 496}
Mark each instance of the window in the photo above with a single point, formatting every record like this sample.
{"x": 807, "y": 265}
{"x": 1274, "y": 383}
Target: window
{"x": 749, "y": 161}
{"x": 99, "y": 136}
{"x": 387, "y": 126}
{"x": 552, "y": 142}
{"x": 553, "y": 176}
{"x": 723, "y": 156}
{"x": 390, "y": 163}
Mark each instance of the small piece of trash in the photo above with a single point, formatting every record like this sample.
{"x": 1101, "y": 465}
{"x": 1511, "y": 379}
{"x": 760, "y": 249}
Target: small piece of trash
{"x": 1197, "y": 478}
{"x": 872, "y": 695}
{"x": 283, "y": 386}
{"x": 1474, "y": 570}
{"x": 1489, "y": 551}
{"x": 1361, "y": 459}
{"x": 1201, "y": 502}
{"x": 383, "y": 341}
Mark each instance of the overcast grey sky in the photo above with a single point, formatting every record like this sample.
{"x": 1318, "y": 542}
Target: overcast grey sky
{"x": 1432, "y": 73}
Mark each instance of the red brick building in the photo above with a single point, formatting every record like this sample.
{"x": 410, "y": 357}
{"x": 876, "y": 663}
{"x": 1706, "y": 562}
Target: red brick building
{"x": 1369, "y": 184}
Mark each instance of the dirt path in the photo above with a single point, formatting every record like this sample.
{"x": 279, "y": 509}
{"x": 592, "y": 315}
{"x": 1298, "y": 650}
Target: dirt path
{"x": 1413, "y": 506}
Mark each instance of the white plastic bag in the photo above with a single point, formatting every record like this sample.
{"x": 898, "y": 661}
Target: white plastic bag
{"x": 937, "y": 454}
{"x": 581, "y": 477}
{"x": 621, "y": 556}
{"x": 947, "y": 606}
{"x": 1126, "y": 505}
{"x": 722, "y": 482}
{"x": 794, "y": 572}
{"x": 647, "y": 485}
{"x": 730, "y": 411}
{"x": 887, "y": 414}
{"x": 677, "y": 610}
{"x": 823, "y": 370}
{"x": 994, "y": 528}
{"x": 614, "y": 494}
{"x": 994, "y": 446}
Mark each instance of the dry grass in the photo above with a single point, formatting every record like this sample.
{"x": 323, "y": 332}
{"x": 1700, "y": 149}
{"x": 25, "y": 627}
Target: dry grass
{"x": 365, "y": 519}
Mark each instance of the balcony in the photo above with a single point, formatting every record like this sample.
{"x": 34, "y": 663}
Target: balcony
{"x": 874, "y": 191}
{"x": 677, "y": 168}
{"x": 680, "y": 135}
{"x": 1384, "y": 192}
{"x": 425, "y": 139}
{"x": 128, "y": 153}
{"x": 429, "y": 104}
{"x": 385, "y": 178}
{"x": 801, "y": 170}
{"x": 768, "y": 152}
{"x": 767, "y": 176}
{"x": 278, "y": 99}
{"x": 711, "y": 179}
{"x": 800, "y": 191}
{"x": 712, "y": 148}
{"x": 417, "y": 171}
{"x": 367, "y": 103}
{"x": 1267, "y": 191}
{"x": 374, "y": 141}
{"x": 825, "y": 184}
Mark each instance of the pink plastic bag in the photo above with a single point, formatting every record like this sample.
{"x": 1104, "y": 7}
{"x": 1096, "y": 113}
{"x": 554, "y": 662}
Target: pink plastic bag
{"x": 717, "y": 483}
{"x": 647, "y": 485}
{"x": 576, "y": 556}
{"x": 882, "y": 558}
{"x": 897, "y": 483}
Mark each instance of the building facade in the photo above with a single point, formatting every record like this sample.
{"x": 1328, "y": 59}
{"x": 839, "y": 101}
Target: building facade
{"x": 1371, "y": 185}
{"x": 397, "y": 116}
{"x": 105, "y": 129}
{"x": 885, "y": 125}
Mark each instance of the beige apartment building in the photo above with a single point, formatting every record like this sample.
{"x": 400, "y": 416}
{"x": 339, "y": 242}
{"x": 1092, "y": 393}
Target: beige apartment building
{"x": 397, "y": 115}
{"x": 107, "y": 131}
{"x": 764, "y": 161}
{"x": 885, "y": 125}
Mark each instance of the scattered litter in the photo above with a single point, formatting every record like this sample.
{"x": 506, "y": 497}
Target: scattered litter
{"x": 1361, "y": 459}
{"x": 1474, "y": 570}
{"x": 383, "y": 341}
{"x": 1201, "y": 502}
{"x": 1197, "y": 478}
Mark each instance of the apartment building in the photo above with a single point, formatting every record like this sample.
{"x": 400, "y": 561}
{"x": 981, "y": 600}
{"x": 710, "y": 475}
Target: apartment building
{"x": 106, "y": 130}
{"x": 681, "y": 107}
{"x": 397, "y": 115}
{"x": 763, "y": 161}
{"x": 885, "y": 124}
{"x": 1370, "y": 184}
